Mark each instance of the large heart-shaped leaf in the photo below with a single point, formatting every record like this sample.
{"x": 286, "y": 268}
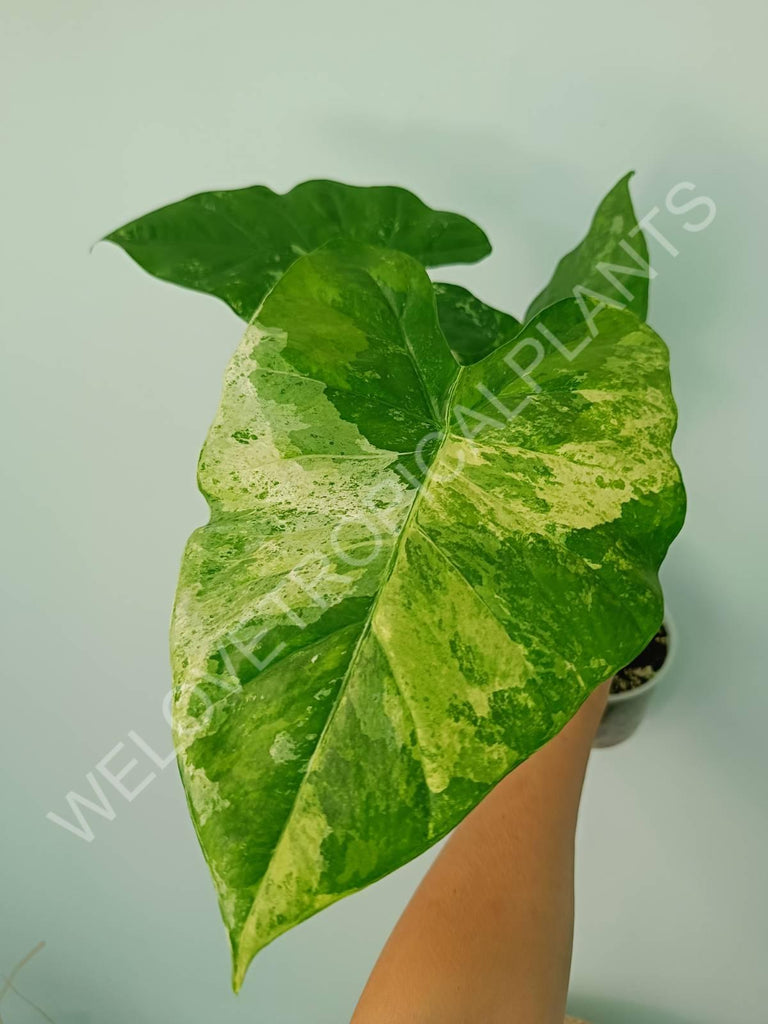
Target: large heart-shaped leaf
{"x": 413, "y": 574}
{"x": 235, "y": 244}
{"x": 609, "y": 265}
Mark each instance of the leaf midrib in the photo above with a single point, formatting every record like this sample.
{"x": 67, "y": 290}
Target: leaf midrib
{"x": 396, "y": 548}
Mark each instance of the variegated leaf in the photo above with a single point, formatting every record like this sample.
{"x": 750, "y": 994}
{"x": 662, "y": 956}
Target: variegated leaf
{"x": 413, "y": 574}
{"x": 609, "y": 265}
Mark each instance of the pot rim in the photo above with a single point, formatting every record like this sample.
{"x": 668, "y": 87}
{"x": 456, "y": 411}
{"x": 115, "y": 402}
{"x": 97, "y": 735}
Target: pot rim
{"x": 641, "y": 691}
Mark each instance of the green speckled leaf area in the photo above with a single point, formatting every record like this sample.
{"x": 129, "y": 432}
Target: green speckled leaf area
{"x": 413, "y": 574}
{"x": 609, "y": 265}
{"x": 471, "y": 327}
{"x": 236, "y": 243}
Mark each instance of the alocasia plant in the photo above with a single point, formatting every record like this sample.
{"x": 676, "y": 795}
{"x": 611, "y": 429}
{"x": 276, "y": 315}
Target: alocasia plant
{"x": 433, "y": 531}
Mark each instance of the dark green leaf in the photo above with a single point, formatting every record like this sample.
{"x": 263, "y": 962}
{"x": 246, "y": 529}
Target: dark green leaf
{"x": 365, "y": 639}
{"x": 236, "y": 244}
{"x": 472, "y": 329}
{"x": 611, "y": 262}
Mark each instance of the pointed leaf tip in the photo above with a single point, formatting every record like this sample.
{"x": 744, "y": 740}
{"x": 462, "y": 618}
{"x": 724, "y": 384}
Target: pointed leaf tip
{"x": 611, "y": 260}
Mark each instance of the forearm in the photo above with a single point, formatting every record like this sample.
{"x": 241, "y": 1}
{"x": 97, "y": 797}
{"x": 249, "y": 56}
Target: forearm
{"x": 487, "y": 936}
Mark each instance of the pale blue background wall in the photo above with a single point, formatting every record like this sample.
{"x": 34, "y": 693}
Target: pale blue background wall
{"x": 520, "y": 116}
